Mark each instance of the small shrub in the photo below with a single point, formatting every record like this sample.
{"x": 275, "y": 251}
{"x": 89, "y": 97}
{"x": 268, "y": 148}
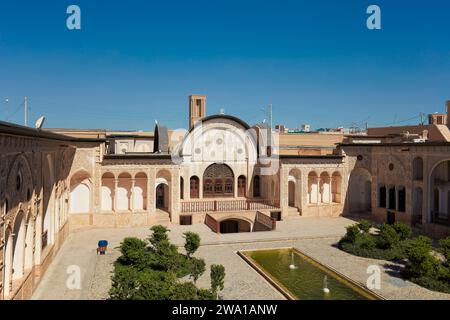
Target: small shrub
{"x": 192, "y": 242}
{"x": 387, "y": 237}
{"x": 445, "y": 249}
{"x": 352, "y": 233}
{"x": 420, "y": 261}
{"x": 402, "y": 230}
{"x": 364, "y": 226}
{"x": 158, "y": 236}
{"x": 217, "y": 278}
{"x": 365, "y": 241}
{"x": 197, "y": 267}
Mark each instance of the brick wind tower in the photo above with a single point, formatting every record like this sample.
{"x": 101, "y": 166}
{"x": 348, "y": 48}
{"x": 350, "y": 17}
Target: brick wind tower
{"x": 197, "y": 108}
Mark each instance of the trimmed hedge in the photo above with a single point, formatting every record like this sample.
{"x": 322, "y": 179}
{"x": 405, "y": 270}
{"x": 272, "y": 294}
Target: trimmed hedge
{"x": 393, "y": 242}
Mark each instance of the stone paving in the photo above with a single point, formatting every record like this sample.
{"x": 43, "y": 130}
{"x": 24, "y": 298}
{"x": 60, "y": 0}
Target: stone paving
{"x": 314, "y": 236}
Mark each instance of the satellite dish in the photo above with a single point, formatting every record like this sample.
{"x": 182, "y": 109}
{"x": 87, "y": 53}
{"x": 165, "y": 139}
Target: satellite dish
{"x": 222, "y": 111}
{"x": 39, "y": 123}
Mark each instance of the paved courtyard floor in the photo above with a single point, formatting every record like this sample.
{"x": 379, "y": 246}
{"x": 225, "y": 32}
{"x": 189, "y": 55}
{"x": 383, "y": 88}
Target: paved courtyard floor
{"x": 314, "y": 236}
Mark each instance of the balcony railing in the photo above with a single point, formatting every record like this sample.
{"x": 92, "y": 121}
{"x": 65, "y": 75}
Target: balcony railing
{"x": 228, "y": 205}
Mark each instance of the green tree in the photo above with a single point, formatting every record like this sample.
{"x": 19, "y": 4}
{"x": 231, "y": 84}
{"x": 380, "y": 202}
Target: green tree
{"x": 125, "y": 283}
{"x": 198, "y": 267}
{"x": 217, "y": 278}
{"x": 133, "y": 252}
{"x": 364, "y": 226}
{"x": 192, "y": 242}
{"x": 402, "y": 230}
{"x": 159, "y": 235}
{"x": 388, "y": 237}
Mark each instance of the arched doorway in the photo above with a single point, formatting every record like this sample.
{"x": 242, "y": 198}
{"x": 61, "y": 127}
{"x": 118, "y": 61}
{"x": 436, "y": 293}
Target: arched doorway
{"x": 80, "y": 193}
{"x": 7, "y": 264}
{"x": 313, "y": 188}
{"x": 47, "y": 228}
{"x": 242, "y": 186}
{"x": 181, "y": 188}
{"x": 439, "y": 197}
{"x": 234, "y": 226}
{"x": 360, "y": 191}
{"x": 140, "y": 192}
{"x": 162, "y": 197}
{"x": 107, "y": 191}
{"x": 325, "y": 189}
{"x": 19, "y": 246}
{"x": 294, "y": 189}
{"x": 218, "y": 181}
{"x": 336, "y": 183}
{"x": 29, "y": 244}
{"x": 291, "y": 199}
{"x": 194, "y": 185}
{"x": 123, "y": 192}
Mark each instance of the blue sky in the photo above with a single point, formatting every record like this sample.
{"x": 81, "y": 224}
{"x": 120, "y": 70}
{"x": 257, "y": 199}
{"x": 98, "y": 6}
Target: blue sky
{"x": 136, "y": 61}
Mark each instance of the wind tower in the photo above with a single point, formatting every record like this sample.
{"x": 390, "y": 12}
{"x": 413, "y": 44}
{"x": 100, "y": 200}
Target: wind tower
{"x": 197, "y": 108}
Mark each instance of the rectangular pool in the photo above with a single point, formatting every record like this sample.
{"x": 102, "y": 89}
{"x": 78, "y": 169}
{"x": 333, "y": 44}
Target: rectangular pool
{"x": 307, "y": 279}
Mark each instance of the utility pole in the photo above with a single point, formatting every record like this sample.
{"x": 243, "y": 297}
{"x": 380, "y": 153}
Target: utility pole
{"x": 25, "y": 106}
{"x": 270, "y": 117}
{"x": 422, "y": 116}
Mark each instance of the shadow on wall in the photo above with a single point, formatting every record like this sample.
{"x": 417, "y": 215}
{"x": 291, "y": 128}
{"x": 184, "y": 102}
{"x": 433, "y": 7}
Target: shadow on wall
{"x": 31, "y": 223}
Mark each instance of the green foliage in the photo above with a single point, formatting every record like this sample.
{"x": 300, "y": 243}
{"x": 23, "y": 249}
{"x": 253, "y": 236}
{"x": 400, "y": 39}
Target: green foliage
{"x": 151, "y": 273}
{"x": 365, "y": 241}
{"x": 421, "y": 263}
{"x": 197, "y": 267}
{"x": 386, "y": 245}
{"x": 402, "y": 230}
{"x": 387, "y": 237}
{"x": 217, "y": 278}
{"x": 364, "y": 226}
{"x": 192, "y": 242}
{"x": 159, "y": 236}
{"x": 133, "y": 251}
{"x": 125, "y": 283}
{"x": 433, "y": 283}
{"x": 393, "y": 243}
{"x": 445, "y": 249}
{"x": 352, "y": 233}
{"x": 396, "y": 253}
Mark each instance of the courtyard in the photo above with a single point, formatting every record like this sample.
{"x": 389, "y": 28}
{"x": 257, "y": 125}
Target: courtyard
{"x": 314, "y": 236}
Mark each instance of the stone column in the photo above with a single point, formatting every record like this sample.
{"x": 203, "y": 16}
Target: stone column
{"x": 175, "y": 197}
{"x": 133, "y": 182}
{"x": 151, "y": 190}
{"x": 116, "y": 183}
{"x": 200, "y": 187}
{"x": 426, "y": 192}
{"x": 284, "y": 201}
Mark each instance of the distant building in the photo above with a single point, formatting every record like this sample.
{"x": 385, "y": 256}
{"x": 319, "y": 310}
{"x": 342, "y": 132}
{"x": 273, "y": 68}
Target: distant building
{"x": 305, "y": 128}
{"x": 280, "y": 128}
